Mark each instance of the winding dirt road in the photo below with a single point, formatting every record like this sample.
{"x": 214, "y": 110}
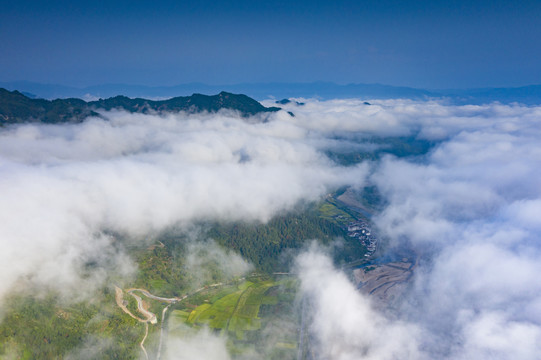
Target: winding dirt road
{"x": 119, "y": 297}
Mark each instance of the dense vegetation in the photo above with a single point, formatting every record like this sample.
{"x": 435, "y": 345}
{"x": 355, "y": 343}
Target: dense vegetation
{"x": 267, "y": 245}
{"x": 161, "y": 268}
{"x": 45, "y": 328}
{"x": 15, "y": 107}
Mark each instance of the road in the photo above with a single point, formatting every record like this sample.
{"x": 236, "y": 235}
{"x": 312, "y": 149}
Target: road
{"x": 300, "y": 349}
{"x": 151, "y": 317}
{"x": 159, "y": 354}
{"x": 119, "y": 297}
{"x": 142, "y": 344}
{"x": 149, "y": 295}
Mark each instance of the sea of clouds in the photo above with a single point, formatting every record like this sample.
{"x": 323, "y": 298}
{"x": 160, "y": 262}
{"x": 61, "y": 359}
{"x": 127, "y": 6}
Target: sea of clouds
{"x": 470, "y": 209}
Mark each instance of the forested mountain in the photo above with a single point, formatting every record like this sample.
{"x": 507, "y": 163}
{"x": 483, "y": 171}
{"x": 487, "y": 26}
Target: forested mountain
{"x": 16, "y": 107}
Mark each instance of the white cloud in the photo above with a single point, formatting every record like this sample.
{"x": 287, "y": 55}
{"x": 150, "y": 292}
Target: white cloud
{"x": 200, "y": 345}
{"x": 470, "y": 209}
{"x": 206, "y": 262}
{"x": 345, "y": 324}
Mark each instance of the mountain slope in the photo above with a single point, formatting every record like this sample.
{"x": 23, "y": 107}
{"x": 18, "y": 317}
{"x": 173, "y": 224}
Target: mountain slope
{"x": 16, "y": 107}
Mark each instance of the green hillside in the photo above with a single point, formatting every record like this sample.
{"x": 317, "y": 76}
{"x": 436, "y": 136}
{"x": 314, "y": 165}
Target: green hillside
{"x": 16, "y": 107}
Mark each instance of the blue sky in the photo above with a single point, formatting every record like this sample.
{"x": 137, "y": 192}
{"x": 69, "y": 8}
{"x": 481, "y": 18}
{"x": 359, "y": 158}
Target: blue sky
{"x": 427, "y": 44}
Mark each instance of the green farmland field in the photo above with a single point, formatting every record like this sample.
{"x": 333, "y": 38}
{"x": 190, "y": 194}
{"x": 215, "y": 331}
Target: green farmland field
{"x": 235, "y": 309}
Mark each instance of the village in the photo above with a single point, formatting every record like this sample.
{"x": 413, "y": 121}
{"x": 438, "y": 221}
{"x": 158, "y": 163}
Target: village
{"x": 360, "y": 230}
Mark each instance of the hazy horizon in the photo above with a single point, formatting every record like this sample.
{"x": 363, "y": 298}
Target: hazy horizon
{"x": 233, "y": 83}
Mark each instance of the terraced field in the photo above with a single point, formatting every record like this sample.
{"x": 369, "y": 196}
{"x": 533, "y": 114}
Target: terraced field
{"x": 386, "y": 281}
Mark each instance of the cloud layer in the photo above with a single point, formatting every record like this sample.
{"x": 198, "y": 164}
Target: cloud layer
{"x": 469, "y": 209}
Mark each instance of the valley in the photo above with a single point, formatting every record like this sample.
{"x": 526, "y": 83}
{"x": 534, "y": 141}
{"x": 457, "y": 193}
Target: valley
{"x": 245, "y": 310}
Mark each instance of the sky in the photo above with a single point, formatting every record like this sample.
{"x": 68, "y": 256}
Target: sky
{"x": 424, "y": 44}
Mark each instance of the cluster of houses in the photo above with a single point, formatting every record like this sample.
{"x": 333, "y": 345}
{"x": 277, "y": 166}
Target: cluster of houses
{"x": 360, "y": 230}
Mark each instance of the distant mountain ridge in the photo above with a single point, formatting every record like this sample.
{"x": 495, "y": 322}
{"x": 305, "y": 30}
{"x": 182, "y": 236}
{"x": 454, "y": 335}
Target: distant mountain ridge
{"x": 528, "y": 95}
{"x": 16, "y": 107}
{"x": 259, "y": 91}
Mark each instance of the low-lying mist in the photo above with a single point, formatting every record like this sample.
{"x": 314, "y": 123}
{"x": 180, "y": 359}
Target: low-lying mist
{"x": 469, "y": 208}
